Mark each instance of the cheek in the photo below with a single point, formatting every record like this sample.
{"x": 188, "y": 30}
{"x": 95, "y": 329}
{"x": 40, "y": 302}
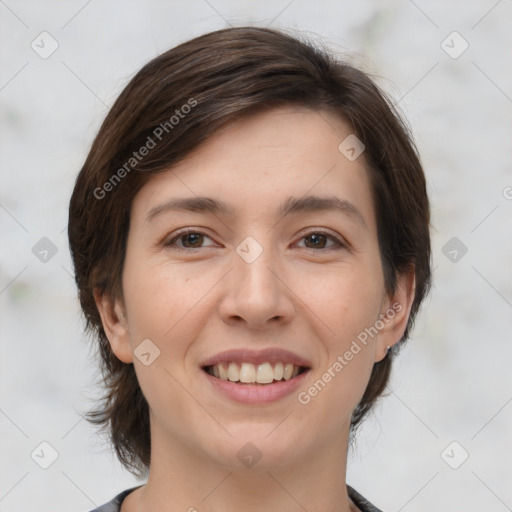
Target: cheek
{"x": 162, "y": 306}
{"x": 157, "y": 298}
{"x": 349, "y": 306}
{"x": 347, "y": 300}
{"x": 147, "y": 306}
{"x": 169, "y": 307}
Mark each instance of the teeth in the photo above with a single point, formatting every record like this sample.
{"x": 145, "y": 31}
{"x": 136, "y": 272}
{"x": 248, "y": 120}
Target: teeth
{"x": 248, "y": 373}
{"x": 288, "y": 371}
{"x": 223, "y": 373}
{"x": 278, "y": 371}
{"x": 233, "y": 372}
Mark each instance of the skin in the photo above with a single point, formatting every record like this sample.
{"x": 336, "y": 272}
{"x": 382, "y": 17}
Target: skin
{"x": 198, "y": 297}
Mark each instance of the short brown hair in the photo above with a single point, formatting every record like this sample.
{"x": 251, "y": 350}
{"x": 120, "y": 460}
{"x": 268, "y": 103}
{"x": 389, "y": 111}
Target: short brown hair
{"x": 189, "y": 92}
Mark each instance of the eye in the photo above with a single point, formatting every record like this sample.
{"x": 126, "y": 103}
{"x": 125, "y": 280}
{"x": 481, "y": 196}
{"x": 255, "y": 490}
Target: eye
{"x": 188, "y": 238}
{"x": 318, "y": 240}
{"x": 193, "y": 239}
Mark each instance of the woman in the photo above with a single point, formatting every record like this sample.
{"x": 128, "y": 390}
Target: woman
{"x": 250, "y": 236}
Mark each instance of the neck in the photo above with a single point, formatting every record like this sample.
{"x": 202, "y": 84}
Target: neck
{"x": 181, "y": 478}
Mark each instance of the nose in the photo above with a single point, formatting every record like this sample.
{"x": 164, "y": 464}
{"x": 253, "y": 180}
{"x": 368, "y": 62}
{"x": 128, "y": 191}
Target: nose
{"x": 257, "y": 293}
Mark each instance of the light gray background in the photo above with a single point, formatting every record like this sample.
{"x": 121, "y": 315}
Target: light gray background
{"x": 452, "y": 382}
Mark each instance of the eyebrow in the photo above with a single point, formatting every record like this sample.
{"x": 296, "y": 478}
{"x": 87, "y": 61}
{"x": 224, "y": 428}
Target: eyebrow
{"x": 292, "y": 205}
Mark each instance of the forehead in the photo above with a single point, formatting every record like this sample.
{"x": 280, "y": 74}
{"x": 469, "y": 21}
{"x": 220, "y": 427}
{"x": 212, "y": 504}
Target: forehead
{"x": 261, "y": 161}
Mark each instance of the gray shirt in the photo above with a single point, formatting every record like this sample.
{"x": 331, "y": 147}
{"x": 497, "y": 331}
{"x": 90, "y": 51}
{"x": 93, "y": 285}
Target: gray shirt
{"x": 115, "y": 504}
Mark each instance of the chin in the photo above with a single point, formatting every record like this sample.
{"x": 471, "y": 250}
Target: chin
{"x": 257, "y": 446}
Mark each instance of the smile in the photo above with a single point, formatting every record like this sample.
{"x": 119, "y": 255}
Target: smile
{"x": 249, "y": 373}
{"x": 255, "y": 377}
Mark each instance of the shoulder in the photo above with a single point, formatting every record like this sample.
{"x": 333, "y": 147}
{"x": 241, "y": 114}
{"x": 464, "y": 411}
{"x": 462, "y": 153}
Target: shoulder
{"x": 360, "y": 501}
{"x": 114, "y": 505}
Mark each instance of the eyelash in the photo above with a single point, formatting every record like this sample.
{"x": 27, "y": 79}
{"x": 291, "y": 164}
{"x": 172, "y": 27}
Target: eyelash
{"x": 340, "y": 244}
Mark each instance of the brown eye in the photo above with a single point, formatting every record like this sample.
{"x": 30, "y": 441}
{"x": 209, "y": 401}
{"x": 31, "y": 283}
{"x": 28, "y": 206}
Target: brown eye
{"x": 319, "y": 240}
{"x": 192, "y": 240}
{"x": 187, "y": 240}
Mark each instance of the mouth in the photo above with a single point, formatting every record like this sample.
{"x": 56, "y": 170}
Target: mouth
{"x": 256, "y": 377}
{"x": 257, "y": 374}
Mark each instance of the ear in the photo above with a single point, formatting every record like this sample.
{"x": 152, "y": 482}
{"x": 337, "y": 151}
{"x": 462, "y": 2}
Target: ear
{"x": 115, "y": 325}
{"x": 394, "y": 314}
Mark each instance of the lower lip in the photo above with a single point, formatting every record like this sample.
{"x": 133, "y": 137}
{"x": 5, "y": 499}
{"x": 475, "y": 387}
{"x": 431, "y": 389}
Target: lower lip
{"x": 256, "y": 394}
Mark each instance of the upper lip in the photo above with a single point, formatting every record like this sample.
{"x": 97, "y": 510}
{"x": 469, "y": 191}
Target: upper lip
{"x": 269, "y": 355}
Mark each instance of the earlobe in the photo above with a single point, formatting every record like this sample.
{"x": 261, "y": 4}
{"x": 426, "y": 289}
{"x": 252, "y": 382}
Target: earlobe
{"x": 396, "y": 314}
{"x": 115, "y": 325}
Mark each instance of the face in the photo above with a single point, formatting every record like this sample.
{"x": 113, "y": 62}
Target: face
{"x": 257, "y": 280}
